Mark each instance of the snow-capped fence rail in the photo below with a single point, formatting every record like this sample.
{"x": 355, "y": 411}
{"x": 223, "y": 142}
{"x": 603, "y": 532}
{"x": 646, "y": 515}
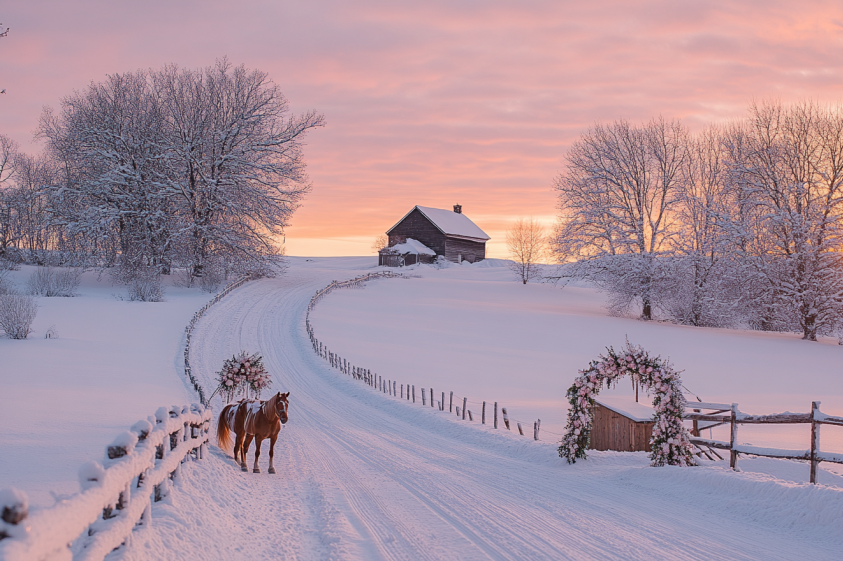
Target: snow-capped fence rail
{"x": 116, "y": 496}
{"x": 189, "y": 331}
{"x": 392, "y": 387}
{"x": 716, "y": 414}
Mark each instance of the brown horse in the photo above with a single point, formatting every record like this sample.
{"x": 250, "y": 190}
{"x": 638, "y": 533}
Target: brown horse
{"x": 252, "y": 419}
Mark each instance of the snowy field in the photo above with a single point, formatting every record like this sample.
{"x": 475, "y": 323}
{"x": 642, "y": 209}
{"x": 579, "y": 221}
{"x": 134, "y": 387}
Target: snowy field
{"x": 362, "y": 475}
{"x": 63, "y": 400}
{"x": 475, "y": 330}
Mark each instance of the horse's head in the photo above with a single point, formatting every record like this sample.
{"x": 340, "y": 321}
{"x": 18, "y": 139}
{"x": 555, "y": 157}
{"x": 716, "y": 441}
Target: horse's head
{"x": 281, "y": 406}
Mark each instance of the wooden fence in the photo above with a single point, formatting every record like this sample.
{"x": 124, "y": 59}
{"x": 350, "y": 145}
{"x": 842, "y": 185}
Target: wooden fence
{"x": 189, "y": 331}
{"x": 717, "y": 414}
{"x": 392, "y": 387}
{"x": 116, "y": 496}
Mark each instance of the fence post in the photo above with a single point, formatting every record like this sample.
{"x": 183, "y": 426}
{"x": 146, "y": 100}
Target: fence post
{"x": 815, "y": 440}
{"x": 424, "y": 401}
{"x": 402, "y": 391}
{"x": 505, "y": 418}
{"x": 483, "y": 414}
{"x": 536, "y": 427}
{"x": 496, "y": 414}
{"x": 414, "y": 393}
{"x": 431, "y": 397}
{"x": 464, "y": 401}
{"x": 520, "y": 430}
{"x": 442, "y": 403}
{"x": 451, "y": 406}
{"x": 733, "y": 437}
{"x": 394, "y": 388}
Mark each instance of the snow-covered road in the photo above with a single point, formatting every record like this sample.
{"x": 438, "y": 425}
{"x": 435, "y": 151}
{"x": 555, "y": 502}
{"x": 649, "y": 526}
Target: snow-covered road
{"x": 362, "y": 475}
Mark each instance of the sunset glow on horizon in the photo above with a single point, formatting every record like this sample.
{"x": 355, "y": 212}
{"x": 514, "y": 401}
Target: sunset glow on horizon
{"x": 439, "y": 103}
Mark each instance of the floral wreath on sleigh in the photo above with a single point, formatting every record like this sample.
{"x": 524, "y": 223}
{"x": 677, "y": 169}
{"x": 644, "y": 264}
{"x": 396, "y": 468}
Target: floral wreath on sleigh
{"x": 670, "y": 442}
{"x": 243, "y": 374}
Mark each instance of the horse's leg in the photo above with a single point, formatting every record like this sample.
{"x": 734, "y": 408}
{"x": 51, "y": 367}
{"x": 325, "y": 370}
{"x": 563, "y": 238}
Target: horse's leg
{"x": 238, "y": 451}
{"x": 246, "y": 445}
{"x": 272, "y": 440}
{"x": 258, "y": 440}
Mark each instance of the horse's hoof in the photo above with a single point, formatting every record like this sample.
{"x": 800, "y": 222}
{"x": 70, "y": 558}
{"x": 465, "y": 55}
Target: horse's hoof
{"x": 272, "y": 470}
{"x": 244, "y": 468}
{"x": 257, "y": 470}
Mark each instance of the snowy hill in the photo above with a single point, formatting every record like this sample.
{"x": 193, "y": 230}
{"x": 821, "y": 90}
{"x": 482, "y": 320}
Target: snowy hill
{"x": 362, "y": 475}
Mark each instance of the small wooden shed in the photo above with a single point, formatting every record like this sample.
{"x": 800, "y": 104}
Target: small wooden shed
{"x": 621, "y": 424}
{"x": 447, "y": 233}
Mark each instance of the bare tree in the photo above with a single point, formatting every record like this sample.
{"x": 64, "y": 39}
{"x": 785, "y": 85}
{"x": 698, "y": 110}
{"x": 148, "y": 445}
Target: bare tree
{"x": 8, "y": 155}
{"x": 526, "y": 241}
{"x": 381, "y": 241}
{"x": 3, "y": 33}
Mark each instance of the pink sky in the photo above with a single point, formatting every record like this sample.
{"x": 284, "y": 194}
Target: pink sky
{"x": 438, "y": 102}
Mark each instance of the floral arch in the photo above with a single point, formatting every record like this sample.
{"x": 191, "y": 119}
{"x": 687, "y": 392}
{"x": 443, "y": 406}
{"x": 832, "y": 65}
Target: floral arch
{"x": 670, "y": 441}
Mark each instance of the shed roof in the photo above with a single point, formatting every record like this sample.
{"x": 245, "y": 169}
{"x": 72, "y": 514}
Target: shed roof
{"x": 628, "y": 407}
{"x": 412, "y": 246}
{"x": 449, "y": 223}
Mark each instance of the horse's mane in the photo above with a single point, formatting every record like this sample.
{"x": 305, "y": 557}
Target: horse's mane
{"x": 269, "y": 405}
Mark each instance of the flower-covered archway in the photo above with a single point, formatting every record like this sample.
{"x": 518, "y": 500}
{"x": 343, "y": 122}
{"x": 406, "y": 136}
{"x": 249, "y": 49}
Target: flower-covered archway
{"x": 670, "y": 441}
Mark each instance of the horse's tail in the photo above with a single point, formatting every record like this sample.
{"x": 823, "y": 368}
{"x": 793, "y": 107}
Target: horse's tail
{"x": 223, "y": 432}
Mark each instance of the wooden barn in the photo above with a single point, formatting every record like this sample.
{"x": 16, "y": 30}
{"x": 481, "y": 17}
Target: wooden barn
{"x": 445, "y": 232}
{"x": 621, "y": 424}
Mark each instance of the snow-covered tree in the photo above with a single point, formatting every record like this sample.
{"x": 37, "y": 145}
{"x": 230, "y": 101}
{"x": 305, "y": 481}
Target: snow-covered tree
{"x": 787, "y": 163}
{"x": 234, "y": 159}
{"x": 700, "y": 287}
{"x": 108, "y": 138}
{"x": 617, "y": 199}
{"x": 200, "y": 167}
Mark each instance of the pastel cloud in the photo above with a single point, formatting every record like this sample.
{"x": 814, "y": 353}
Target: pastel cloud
{"x": 440, "y": 102}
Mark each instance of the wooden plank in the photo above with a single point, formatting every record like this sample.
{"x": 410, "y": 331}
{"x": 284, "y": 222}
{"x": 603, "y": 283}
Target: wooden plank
{"x": 710, "y": 443}
{"x": 815, "y": 440}
{"x": 704, "y": 417}
{"x": 707, "y": 405}
{"x": 773, "y": 452}
{"x": 733, "y": 437}
{"x": 777, "y": 418}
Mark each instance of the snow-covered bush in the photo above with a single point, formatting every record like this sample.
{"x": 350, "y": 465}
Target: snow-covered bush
{"x": 211, "y": 279}
{"x": 146, "y": 289}
{"x": 6, "y": 287}
{"x": 17, "y": 312}
{"x": 46, "y": 281}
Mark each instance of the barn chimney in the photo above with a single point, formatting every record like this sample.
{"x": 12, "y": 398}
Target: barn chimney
{"x": 458, "y": 209}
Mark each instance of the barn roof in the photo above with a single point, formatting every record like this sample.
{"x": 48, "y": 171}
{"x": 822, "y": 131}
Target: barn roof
{"x": 628, "y": 407}
{"x": 449, "y": 223}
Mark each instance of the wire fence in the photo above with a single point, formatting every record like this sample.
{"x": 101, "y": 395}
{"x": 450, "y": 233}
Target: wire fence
{"x": 483, "y": 411}
{"x": 189, "y": 331}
